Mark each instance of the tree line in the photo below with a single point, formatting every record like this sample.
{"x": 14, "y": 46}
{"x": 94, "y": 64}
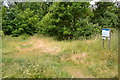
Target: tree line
{"x": 64, "y": 20}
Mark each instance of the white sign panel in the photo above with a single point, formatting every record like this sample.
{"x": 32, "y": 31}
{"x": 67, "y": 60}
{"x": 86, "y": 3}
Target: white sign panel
{"x": 106, "y": 32}
{"x": 103, "y": 37}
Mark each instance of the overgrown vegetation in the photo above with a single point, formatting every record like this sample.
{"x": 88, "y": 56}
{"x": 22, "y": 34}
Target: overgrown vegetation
{"x": 65, "y": 20}
{"x": 30, "y": 48}
{"x": 44, "y": 57}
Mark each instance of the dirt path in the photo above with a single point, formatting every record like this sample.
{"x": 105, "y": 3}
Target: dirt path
{"x": 41, "y": 45}
{"x": 74, "y": 72}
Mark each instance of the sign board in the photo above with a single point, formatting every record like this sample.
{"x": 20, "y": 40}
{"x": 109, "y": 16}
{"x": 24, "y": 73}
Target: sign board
{"x": 106, "y": 32}
{"x": 103, "y": 37}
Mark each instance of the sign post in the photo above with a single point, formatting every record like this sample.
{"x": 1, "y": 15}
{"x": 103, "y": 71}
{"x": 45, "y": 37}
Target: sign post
{"x": 109, "y": 43}
{"x": 106, "y": 34}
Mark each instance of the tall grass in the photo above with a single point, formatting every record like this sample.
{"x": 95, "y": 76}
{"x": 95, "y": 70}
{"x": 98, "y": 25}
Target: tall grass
{"x": 78, "y": 58}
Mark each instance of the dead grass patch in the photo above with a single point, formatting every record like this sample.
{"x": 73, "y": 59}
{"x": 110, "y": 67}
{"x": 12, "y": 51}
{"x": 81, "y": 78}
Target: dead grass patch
{"x": 75, "y": 73}
{"x": 78, "y": 58}
{"x": 40, "y": 44}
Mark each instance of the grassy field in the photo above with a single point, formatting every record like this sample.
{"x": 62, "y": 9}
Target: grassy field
{"x": 44, "y": 57}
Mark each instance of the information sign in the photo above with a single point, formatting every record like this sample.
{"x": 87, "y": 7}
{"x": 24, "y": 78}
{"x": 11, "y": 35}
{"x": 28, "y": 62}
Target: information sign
{"x": 106, "y": 32}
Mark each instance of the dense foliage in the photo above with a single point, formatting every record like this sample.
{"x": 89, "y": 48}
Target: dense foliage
{"x": 105, "y": 14}
{"x": 65, "y": 20}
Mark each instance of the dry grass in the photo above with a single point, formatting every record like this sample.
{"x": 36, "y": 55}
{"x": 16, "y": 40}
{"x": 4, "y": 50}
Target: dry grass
{"x": 40, "y": 57}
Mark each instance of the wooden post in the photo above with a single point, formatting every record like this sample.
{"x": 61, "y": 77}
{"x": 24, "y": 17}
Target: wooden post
{"x": 109, "y": 39}
{"x": 103, "y": 43}
{"x": 109, "y": 43}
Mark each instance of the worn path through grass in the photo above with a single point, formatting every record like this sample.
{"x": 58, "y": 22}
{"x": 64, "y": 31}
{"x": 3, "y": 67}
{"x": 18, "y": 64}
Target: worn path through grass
{"x": 44, "y": 57}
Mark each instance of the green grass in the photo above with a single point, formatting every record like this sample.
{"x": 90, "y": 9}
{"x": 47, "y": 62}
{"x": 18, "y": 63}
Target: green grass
{"x": 32, "y": 57}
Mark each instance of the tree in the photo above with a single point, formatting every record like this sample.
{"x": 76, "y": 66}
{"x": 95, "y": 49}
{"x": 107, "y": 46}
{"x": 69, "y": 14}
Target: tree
{"x": 118, "y": 14}
{"x": 7, "y": 20}
{"x": 105, "y": 15}
{"x": 66, "y": 20}
{"x": 21, "y": 18}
